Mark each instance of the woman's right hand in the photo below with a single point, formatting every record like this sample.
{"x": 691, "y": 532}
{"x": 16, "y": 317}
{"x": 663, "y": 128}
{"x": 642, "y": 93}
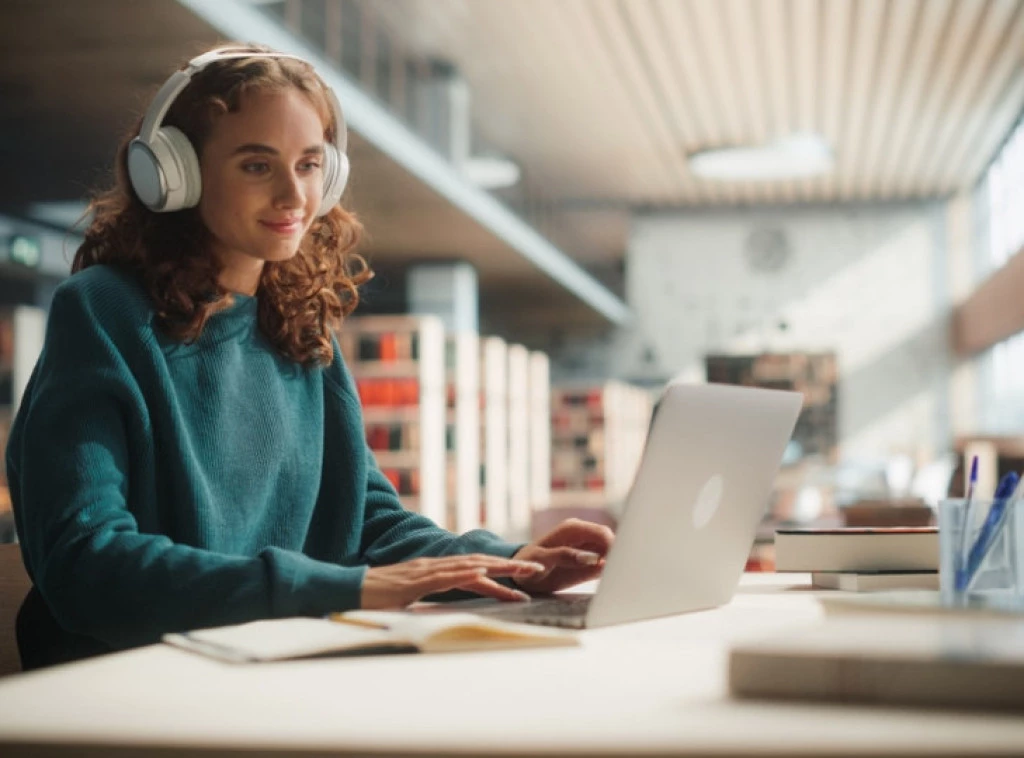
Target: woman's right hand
{"x": 400, "y": 584}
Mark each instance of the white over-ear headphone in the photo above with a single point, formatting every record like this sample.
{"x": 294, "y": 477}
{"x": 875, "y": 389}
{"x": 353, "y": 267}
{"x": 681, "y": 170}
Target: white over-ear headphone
{"x": 163, "y": 166}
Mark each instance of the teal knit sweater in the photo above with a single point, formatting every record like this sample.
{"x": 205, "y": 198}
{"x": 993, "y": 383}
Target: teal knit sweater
{"x": 159, "y": 486}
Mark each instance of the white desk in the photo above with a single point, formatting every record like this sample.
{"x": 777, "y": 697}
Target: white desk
{"x": 652, "y": 688}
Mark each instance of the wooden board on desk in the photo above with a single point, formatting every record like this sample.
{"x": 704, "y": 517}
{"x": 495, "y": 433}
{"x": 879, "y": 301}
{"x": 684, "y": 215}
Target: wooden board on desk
{"x": 921, "y": 661}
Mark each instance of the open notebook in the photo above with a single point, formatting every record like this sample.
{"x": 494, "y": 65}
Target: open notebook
{"x": 362, "y": 633}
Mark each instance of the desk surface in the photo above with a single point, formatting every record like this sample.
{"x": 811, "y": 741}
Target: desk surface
{"x": 650, "y": 688}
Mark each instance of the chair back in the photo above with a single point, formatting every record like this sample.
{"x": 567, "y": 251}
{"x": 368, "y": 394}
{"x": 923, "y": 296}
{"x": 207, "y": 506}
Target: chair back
{"x": 14, "y": 585}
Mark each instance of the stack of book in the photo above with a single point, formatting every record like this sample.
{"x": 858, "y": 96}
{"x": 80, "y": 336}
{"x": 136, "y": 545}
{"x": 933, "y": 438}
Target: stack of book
{"x": 862, "y": 559}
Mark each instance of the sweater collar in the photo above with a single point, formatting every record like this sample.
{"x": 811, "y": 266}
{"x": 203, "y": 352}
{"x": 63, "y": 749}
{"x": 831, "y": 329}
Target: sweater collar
{"x": 236, "y": 320}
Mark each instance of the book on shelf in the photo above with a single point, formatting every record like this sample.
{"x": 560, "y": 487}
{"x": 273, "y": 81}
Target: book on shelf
{"x": 919, "y": 661}
{"x": 362, "y": 633}
{"x": 857, "y": 549}
{"x": 387, "y": 346}
{"x": 392, "y": 435}
{"x": 389, "y": 393}
{"x": 873, "y": 581}
{"x": 406, "y": 481}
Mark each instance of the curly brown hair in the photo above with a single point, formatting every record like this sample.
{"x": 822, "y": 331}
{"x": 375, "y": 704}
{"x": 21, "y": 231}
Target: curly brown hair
{"x": 301, "y": 300}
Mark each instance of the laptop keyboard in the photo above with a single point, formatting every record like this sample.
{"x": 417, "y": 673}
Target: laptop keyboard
{"x": 565, "y": 612}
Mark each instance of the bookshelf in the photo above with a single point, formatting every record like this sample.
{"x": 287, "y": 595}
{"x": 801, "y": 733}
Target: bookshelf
{"x": 597, "y": 438}
{"x": 22, "y": 333}
{"x": 398, "y": 363}
{"x": 462, "y": 431}
{"x": 494, "y": 440}
{"x": 519, "y": 511}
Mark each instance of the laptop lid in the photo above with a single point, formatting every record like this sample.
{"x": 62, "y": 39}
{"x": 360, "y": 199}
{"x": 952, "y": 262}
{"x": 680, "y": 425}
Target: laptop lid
{"x": 701, "y": 490}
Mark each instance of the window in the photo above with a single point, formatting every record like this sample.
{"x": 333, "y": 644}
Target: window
{"x": 1003, "y": 400}
{"x": 1005, "y": 182}
{"x": 1002, "y": 367}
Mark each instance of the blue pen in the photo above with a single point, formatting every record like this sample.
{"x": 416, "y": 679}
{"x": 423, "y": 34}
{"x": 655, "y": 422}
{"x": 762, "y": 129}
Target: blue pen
{"x": 965, "y": 524}
{"x": 989, "y": 530}
{"x": 974, "y": 479}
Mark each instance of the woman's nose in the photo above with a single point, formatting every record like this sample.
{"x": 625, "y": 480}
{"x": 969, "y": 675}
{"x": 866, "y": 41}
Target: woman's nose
{"x": 288, "y": 191}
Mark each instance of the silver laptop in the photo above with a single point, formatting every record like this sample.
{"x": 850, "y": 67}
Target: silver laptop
{"x": 702, "y": 487}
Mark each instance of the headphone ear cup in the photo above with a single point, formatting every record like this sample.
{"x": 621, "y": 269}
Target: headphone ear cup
{"x": 165, "y": 172}
{"x": 146, "y": 175}
{"x": 335, "y": 171}
{"x": 186, "y": 192}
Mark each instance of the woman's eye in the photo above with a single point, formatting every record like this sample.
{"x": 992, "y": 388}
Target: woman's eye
{"x": 255, "y": 168}
{"x": 309, "y": 165}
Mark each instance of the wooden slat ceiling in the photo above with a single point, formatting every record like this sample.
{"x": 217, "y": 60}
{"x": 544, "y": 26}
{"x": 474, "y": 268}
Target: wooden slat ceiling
{"x": 601, "y": 100}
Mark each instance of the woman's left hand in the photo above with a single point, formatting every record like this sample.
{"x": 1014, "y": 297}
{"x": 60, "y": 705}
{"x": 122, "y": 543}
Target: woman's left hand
{"x": 572, "y": 552}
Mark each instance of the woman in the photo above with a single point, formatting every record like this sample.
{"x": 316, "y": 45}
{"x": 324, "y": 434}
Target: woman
{"x": 189, "y": 451}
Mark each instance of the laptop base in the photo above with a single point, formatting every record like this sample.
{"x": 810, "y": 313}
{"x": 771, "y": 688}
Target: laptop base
{"x": 569, "y": 613}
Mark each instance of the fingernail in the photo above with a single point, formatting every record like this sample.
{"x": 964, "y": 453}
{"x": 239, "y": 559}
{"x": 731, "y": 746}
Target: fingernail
{"x": 522, "y": 596}
{"x": 536, "y": 566}
{"x": 587, "y": 558}
{"x": 482, "y": 571}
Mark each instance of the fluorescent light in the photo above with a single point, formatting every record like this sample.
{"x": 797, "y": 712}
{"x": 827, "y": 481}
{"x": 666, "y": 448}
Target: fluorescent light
{"x": 490, "y": 173}
{"x": 795, "y": 156}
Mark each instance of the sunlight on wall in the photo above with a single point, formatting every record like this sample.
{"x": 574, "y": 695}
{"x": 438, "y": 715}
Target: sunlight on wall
{"x": 870, "y": 307}
{"x": 868, "y": 284}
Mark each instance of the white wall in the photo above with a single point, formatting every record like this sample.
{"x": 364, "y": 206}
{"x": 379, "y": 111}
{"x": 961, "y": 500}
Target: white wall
{"x": 869, "y": 283}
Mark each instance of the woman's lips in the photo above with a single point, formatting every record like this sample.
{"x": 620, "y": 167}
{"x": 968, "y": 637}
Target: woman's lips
{"x": 283, "y": 227}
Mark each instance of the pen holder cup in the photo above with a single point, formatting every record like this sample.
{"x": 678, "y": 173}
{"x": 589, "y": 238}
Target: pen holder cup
{"x": 980, "y": 554}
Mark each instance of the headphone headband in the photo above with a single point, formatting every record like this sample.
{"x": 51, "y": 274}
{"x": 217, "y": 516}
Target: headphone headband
{"x": 180, "y": 79}
{"x": 163, "y": 166}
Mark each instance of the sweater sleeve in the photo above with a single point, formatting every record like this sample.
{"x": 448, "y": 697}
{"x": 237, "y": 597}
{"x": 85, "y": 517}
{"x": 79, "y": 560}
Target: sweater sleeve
{"x": 69, "y": 466}
{"x": 392, "y": 534}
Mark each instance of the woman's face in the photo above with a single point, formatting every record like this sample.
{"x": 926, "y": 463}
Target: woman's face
{"x": 262, "y": 181}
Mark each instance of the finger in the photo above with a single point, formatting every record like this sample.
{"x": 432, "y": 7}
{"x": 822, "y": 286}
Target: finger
{"x": 518, "y": 570}
{"x": 442, "y": 581}
{"x": 580, "y": 533}
{"x": 490, "y": 588}
{"x": 494, "y": 565}
{"x": 569, "y": 557}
